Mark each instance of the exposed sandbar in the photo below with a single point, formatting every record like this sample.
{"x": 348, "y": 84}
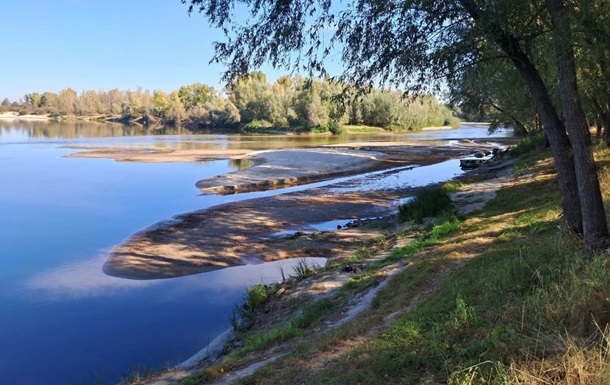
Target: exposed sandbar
{"x": 282, "y": 168}
{"x": 155, "y": 155}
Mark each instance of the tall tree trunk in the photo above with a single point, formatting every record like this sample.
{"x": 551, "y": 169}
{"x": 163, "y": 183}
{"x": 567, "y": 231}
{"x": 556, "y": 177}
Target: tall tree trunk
{"x": 554, "y": 129}
{"x": 553, "y": 126}
{"x": 595, "y": 227}
{"x": 606, "y": 121}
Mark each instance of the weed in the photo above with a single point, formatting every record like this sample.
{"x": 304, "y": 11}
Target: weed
{"x": 282, "y": 273}
{"x": 303, "y": 269}
{"x": 453, "y": 185}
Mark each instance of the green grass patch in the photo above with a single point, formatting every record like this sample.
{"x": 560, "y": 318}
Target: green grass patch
{"x": 362, "y": 129}
{"x": 427, "y": 203}
{"x": 435, "y": 235}
{"x": 308, "y": 318}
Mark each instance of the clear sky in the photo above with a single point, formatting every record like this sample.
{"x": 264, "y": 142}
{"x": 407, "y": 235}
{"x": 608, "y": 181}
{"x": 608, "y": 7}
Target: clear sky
{"x": 104, "y": 44}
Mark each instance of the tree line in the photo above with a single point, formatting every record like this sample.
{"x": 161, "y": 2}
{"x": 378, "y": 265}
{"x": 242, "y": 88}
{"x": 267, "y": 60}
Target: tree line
{"x": 250, "y": 102}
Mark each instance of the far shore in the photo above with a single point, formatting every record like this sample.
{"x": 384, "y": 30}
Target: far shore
{"x": 14, "y": 115}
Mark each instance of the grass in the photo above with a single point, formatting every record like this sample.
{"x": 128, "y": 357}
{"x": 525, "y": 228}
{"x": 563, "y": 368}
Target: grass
{"x": 518, "y": 300}
{"x": 430, "y": 202}
{"x": 524, "y": 311}
{"x": 362, "y": 129}
{"x": 303, "y": 269}
{"x": 309, "y": 317}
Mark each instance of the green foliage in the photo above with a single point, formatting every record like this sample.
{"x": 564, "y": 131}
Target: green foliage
{"x": 513, "y": 303}
{"x": 529, "y": 144}
{"x": 427, "y": 203}
{"x": 452, "y": 121}
{"x": 255, "y": 125}
{"x": 299, "y": 104}
{"x": 257, "y": 295}
{"x": 254, "y": 299}
{"x": 431, "y": 237}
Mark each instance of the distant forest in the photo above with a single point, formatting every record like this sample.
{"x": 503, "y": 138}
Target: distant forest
{"x": 250, "y": 103}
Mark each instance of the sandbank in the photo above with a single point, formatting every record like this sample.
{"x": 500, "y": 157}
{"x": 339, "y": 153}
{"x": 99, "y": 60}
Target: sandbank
{"x": 11, "y": 115}
{"x": 237, "y": 233}
{"x": 154, "y": 155}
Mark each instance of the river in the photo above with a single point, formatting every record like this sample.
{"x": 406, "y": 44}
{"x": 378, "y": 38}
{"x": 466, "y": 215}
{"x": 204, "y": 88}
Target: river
{"x": 63, "y": 321}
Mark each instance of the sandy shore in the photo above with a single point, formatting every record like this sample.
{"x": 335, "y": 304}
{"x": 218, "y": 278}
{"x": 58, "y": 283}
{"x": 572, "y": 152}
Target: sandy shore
{"x": 15, "y": 116}
{"x": 154, "y": 155}
{"x": 241, "y": 232}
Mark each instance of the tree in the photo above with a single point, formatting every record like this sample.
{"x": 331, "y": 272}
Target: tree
{"x": 33, "y": 99}
{"x": 252, "y": 96}
{"x": 66, "y": 100}
{"x": 196, "y": 94}
{"x": 495, "y": 92}
{"x": 415, "y": 43}
{"x": 160, "y": 105}
{"x": 592, "y": 205}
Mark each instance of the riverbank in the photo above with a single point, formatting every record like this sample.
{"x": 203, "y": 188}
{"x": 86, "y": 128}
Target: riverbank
{"x": 502, "y": 295}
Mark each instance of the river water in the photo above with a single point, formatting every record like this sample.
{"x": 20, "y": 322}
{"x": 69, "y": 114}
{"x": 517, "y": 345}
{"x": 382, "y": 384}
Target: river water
{"x": 62, "y": 320}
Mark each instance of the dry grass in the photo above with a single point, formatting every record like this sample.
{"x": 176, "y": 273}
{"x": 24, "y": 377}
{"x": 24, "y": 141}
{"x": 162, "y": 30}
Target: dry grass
{"x": 580, "y": 362}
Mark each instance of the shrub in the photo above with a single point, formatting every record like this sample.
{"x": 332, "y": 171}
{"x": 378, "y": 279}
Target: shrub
{"x": 529, "y": 144}
{"x": 256, "y": 125}
{"x": 335, "y": 128}
{"x": 427, "y": 203}
{"x": 452, "y": 121}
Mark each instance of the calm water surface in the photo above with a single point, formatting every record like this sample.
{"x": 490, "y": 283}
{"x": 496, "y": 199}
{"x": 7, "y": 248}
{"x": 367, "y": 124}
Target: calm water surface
{"x": 65, "y": 322}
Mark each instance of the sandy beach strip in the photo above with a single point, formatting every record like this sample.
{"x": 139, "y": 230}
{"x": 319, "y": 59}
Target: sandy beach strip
{"x": 11, "y": 115}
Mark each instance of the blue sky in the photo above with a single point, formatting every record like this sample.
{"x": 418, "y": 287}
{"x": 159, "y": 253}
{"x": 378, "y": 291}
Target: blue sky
{"x": 85, "y": 44}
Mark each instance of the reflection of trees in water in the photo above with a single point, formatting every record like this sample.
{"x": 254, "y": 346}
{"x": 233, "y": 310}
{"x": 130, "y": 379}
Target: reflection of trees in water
{"x": 240, "y": 164}
{"x": 69, "y": 130}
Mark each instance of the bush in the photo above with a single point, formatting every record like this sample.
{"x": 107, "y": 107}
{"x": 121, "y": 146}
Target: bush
{"x": 335, "y": 128}
{"x": 452, "y": 121}
{"x": 529, "y": 144}
{"x": 256, "y": 125}
{"x": 427, "y": 203}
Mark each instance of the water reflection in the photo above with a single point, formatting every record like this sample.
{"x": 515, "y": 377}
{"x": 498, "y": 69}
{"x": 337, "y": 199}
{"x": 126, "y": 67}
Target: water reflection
{"x": 117, "y": 134}
{"x": 77, "y": 280}
{"x": 85, "y": 279}
{"x": 51, "y": 129}
{"x": 240, "y": 164}
{"x": 408, "y": 177}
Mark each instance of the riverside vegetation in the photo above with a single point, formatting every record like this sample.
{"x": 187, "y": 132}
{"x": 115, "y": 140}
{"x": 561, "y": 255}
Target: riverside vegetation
{"x": 250, "y": 103}
{"x": 504, "y": 296}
